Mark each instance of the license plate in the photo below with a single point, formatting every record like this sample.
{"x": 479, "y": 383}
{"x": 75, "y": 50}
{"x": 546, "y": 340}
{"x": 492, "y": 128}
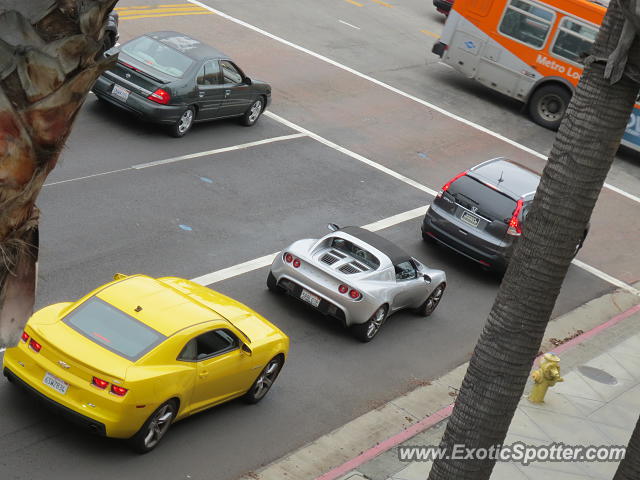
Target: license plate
{"x": 55, "y": 383}
{"x": 310, "y": 298}
{"x": 470, "y": 219}
{"x": 120, "y": 92}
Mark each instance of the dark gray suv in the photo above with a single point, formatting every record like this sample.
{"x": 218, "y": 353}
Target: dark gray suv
{"x": 479, "y": 212}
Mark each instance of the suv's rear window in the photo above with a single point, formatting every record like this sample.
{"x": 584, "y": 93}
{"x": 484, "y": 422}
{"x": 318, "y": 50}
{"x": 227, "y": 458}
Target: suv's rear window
{"x": 490, "y": 203}
{"x": 158, "y": 56}
{"x": 113, "y": 329}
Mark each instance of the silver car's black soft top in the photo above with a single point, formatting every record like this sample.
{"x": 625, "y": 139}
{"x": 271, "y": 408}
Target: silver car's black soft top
{"x": 395, "y": 253}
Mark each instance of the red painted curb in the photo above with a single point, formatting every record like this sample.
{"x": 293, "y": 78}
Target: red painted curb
{"x": 445, "y": 412}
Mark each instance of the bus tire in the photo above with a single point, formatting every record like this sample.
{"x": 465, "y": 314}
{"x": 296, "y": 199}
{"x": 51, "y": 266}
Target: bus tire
{"x": 548, "y": 105}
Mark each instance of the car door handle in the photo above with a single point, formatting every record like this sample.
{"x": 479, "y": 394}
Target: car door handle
{"x": 227, "y": 93}
{"x": 204, "y": 374}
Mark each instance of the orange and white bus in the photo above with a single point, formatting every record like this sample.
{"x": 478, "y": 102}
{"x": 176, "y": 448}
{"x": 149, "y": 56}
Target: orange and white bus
{"x": 530, "y": 50}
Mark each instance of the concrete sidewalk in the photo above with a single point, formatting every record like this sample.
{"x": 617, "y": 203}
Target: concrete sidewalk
{"x": 597, "y": 404}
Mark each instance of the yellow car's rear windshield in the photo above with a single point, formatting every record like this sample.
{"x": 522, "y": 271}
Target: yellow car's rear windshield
{"x": 113, "y": 329}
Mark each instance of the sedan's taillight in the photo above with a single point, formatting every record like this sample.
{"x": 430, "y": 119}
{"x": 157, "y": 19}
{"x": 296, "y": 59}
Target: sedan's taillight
{"x": 35, "y": 345}
{"x": 343, "y": 289}
{"x": 120, "y": 391}
{"x": 296, "y": 262}
{"x": 98, "y": 382}
{"x": 355, "y": 294}
{"x": 24, "y": 336}
{"x": 160, "y": 96}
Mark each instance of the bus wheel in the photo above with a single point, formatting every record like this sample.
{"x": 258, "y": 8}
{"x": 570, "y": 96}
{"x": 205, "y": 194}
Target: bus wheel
{"x": 548, "y": 104}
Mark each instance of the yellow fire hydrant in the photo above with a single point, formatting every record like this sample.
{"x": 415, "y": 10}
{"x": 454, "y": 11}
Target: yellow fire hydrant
{"x": 544, "y": 377}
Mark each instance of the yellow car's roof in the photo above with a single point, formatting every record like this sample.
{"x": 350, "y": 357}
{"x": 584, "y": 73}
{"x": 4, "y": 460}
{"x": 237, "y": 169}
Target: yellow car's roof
{"x": 156, "y": 304}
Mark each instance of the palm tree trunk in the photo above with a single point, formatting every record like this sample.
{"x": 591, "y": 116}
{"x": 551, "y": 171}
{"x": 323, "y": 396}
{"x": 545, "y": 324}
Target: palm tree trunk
{"x": 629, "y": 468}
{"x": 50, "y": 56}
{"x": 571, "y": 182}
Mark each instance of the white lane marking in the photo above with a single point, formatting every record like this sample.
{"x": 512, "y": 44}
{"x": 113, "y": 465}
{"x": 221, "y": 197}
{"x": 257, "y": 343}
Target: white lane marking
{"x": 217, "y": 150}
{"x": 349, "y": 25}
{"x": 88, "y": 176}
{"x": 235, "y": 270}
{"x": 351, "y": 154}
{"x": 394, "y": 90}
{"x": 630, "y": 196}
{"x": 606, "y": 277}
{"x": 267, "y": 260}
{"x": 185, "y": 157}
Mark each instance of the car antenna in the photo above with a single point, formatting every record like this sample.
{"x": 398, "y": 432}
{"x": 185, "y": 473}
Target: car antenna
{"x": 501, "y": 179}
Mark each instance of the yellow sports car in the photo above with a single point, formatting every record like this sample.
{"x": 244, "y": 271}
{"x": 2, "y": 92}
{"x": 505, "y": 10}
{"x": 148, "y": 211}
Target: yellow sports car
{"x": 139, "y": 353}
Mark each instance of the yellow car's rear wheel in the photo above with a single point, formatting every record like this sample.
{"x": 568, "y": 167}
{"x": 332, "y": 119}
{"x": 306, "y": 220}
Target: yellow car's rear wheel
{"x": 149, "y": 436}
{"x": 265, "y": 380}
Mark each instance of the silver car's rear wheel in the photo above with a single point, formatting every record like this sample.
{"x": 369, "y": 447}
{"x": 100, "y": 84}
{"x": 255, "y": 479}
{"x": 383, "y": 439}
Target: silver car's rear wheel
{"x": 369, "y": 329}
{"x": 432, "y": 302}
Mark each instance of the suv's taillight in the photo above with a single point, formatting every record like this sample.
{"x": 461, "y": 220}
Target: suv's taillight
{"x": 446, "y": 186}
{"x": 515, "y": 228}
{"x": 24, "y": 336}
{"x": 160, "y": 96}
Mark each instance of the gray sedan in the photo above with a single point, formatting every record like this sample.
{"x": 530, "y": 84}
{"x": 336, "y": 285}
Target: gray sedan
{"x": 356, "y": 276}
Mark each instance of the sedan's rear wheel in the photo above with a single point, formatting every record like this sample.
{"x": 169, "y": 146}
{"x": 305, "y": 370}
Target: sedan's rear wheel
{"x": 183, "y": 125}
{"x": 432, "y": 302}
{"x": 369, "y": 329}
{"x": 265, "y": 380}
{"x": 154, "y": 428}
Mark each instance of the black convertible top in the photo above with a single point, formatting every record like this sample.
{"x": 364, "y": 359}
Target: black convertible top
{"x": 395, "y": 253}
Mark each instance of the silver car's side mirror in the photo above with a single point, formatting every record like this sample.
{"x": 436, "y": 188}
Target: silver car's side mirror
{"x": 333, "y": 227}
{"x": 427, "y": 278}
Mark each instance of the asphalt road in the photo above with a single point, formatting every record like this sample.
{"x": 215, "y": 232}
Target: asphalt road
{"x": 190, "y": 217}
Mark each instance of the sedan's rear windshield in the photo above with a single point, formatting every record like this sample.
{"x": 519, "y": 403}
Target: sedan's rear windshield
{"x": 113, "y": 329}
{"x": 158, "y": 56}
{"x": 490, "y": 203}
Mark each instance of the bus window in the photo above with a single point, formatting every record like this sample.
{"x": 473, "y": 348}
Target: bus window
{"x": 574, "y": 39}
{"x": 526, "y": 22}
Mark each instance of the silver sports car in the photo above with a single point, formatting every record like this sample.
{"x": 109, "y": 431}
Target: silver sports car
{"x": 356, "y": 276}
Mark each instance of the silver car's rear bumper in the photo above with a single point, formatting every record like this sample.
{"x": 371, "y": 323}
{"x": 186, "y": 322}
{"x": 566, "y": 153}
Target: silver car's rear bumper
{"x": 321, "y": 284}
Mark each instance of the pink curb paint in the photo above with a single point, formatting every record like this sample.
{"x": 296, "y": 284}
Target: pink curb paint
{"x": 445, "y": 412}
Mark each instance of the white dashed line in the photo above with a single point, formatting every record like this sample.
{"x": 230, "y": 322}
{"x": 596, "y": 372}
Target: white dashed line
{"x": 351, "y": 154}
{"x": 394, "y": 90}
{"x": 349, "y": 25}
{"x": 266, "y": 260}
{"x": 217, "y": 150}
{"x": 141, "y": 166}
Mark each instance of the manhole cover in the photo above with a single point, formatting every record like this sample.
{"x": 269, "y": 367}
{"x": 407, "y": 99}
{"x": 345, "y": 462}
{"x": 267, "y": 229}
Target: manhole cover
{"x": 597, "y": 375}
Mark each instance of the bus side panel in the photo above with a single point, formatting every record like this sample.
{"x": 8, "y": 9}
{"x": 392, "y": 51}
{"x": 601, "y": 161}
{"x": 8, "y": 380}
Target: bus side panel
{"x": 631, "y": 137}
{"x": 477, "y": 56}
